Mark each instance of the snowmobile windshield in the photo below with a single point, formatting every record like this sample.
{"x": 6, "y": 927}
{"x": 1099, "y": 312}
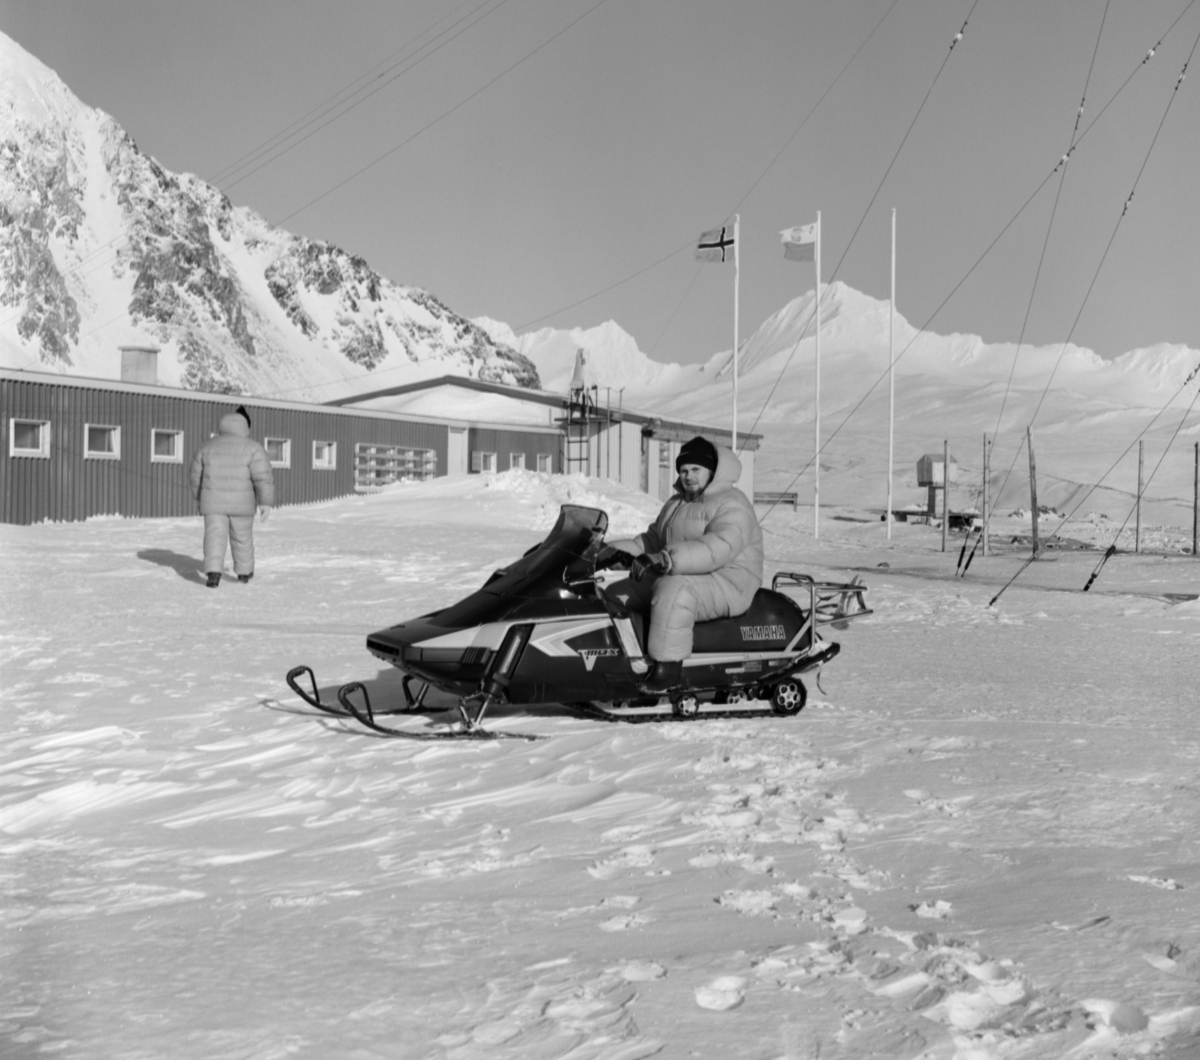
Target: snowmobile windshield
{"x": 575, "y": 539}
{"x": 569, "y": 549}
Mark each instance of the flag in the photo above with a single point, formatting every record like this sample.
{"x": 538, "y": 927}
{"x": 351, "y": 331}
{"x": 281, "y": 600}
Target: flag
{"x": 716, "y": 244}
{"x": 800, "y": 243}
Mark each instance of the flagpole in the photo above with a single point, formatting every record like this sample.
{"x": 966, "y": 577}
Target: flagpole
{"x": 817, "y": 421}
{"x": 737, "y": 254}
{"x": 891, "y": 380}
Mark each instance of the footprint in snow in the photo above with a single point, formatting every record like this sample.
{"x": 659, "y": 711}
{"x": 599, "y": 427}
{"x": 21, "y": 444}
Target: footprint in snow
{"x": 939, "y": 910}
{"x": 1119, "y": 1015}
{"x": 1157, "y": 881}
{"x": 633, "y": 857}
{"x": 623, "y": 923}
{"x": 640, "y": 971}
{"x": 721, "y": 994}
{"x": 620, "y": 901}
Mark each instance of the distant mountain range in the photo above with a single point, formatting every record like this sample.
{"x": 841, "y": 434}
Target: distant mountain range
{"x": 100, "y": 247}
{"x": 776, "y": 365}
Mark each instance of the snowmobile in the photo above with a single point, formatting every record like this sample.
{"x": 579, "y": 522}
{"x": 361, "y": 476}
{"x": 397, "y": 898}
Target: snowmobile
{"x": 544, "y": 630}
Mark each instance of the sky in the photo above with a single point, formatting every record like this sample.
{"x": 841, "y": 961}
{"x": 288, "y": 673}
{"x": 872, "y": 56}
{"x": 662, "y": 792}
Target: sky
{"x": 552, "y": 163}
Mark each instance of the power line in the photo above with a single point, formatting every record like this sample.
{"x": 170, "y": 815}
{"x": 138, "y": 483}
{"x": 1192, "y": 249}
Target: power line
{"x": 966, "y": 276}
{"x": 1096, "y": 485}
{"x": 879, "y": 187}
{"x": 1087, "y": 295}
{"x": 362, "y": 99}
{"x": 99, "y": 252}
{"x": 441, "y": 117}
{"x": 333, "y": 100}
{"x": 978, "y": 261}
{"x": 745, "y": 196}
{"x": 987, "y": 516}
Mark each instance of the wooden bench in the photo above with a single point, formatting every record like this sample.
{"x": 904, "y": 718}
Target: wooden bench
{"x": 791, "y": 498}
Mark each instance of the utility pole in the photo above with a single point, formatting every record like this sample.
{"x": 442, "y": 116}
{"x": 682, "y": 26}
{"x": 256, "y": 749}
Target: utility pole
{"x": 1137, "y": 526}
{"x": 817, "y": 420}
{"x": 607, "y": 432}
{"x": 1033, "y": 489}
{"x": 987, "y": 461}
{"x": 945, "y": 490}
{"x": 737, "y": 282}
{"x": 1196, "y": 505}
{"x": 891, "y": 380}
{"x": 621, "y": 435}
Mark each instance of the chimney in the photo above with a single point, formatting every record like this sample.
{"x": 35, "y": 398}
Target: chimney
{"x": 139, "y": 364}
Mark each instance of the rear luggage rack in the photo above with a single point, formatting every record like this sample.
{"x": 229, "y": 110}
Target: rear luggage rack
{"x": 830, "y": 603}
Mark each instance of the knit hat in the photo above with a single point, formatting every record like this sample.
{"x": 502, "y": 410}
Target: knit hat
{"x": 241, "y": 411}
{"x": 699, "y": 451}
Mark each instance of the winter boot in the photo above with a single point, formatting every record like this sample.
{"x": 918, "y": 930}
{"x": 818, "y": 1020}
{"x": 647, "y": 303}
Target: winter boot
{"x": 664, "y": 677}
{"x": 214, "y": 579}
{"x": 243, "y": 578}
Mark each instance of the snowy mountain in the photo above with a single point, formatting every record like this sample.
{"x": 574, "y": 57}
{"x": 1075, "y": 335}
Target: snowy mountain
{"x": 614, "y": 361}
{"x": 1087, "y": 413}
{"x": 100, "y": 247}
{"x": 777, "y": 362}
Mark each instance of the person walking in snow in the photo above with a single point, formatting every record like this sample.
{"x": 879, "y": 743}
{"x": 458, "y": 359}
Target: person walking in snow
{"x": 702, "y": 558}
{"x": 231, "y": 478}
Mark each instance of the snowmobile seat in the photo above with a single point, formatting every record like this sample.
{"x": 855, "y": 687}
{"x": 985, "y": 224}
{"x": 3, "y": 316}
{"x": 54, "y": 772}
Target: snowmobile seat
{"x": 770, "y": 624}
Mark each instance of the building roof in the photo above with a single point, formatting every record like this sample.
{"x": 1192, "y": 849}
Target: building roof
{"x": 232, "y": 400}
{"x": 655, "y": 426}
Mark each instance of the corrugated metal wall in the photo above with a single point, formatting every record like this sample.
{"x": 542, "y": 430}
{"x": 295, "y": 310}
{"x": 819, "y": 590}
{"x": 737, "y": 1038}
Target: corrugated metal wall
{"x": 504, "y": 443}
{"x": 67, "y": 486}
{"x": 302, "y": 483}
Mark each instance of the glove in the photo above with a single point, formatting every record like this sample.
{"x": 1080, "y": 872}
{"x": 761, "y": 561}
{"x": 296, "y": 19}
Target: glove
{"x": 654, "y": 563}
{"x": 610, "y": 556}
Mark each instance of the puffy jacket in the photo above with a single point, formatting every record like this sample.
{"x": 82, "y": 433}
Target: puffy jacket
{"x": 231, "y": 473}
{"x": 717, "y": 533}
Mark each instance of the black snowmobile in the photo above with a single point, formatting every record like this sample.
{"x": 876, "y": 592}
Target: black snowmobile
{"x": 544, "y": 631}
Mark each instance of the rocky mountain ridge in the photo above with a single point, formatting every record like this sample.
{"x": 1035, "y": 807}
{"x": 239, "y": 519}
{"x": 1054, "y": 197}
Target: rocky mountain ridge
{"x": 100, "y": 246}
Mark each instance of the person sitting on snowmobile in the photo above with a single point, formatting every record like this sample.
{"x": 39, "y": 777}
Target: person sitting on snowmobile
{"x": 702, "y": 558}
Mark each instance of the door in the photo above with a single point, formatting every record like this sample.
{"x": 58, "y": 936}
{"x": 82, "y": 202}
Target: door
{"x": 456, "y": 452}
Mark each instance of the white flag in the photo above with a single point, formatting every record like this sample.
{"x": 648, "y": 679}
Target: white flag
{"x": 800, "y": 243}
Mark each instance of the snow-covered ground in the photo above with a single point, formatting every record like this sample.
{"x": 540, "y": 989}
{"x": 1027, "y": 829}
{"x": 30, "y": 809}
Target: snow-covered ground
{"x": 979, "y": 840}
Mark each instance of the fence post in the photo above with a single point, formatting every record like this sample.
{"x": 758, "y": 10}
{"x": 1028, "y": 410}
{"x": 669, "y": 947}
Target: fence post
{"x": 945, "y": 491}
{"x": 1137, "y": 527}
{"x": 986, "y": 473}
{"x": 1196, "y": 505}
{"x": 1033, "y": 489}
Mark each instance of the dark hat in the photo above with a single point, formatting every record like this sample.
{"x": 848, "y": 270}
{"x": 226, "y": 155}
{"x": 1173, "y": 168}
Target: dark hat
{"x": 699, "y": 451}
{"x": 241, "y": 411}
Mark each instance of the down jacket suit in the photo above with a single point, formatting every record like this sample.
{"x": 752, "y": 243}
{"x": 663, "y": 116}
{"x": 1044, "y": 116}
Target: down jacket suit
{"x": 716, "y": 550}
{"x": 231, "y": 473}
{"x": 231, "y": 477}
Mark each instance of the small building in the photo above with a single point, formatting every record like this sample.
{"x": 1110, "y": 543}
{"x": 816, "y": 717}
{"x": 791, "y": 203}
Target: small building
{"x": 633, "y": 448}
{"x": 72, "y": 447}
{"x": 932, "y": 474}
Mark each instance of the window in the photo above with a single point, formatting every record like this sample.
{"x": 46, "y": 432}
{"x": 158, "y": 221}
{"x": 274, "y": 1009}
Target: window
{"x": 29, "y": 437}
{"x": 544, "y": 462}
{"x": 381, "y": 465}
{"x": 516, "y": 460}
{"x": 279, "y": 451}
{"x": 324, "y": 455}
{"x": 101, "y": 442}
{"x": 166, "y": 447}
{"x": 481, "y": 461}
